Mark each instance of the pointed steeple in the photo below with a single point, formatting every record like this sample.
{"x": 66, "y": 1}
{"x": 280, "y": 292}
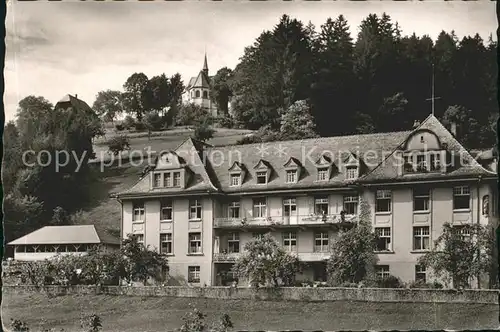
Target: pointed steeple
{"x": 205, "y": 65}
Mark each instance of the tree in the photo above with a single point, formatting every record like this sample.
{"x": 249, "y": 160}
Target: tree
{"x": 392, "y": 114}
{"x": 108, "y": 103}
{"x": 273, "y": 73}
{"x": 152, "y": 121}
{"x": 461, "y": 253}
{"x": 158, "y": 94}
{"x": 203, "y": 132}
{"x": 297, "y": 122}
{"x": 33, "y": 115}
{"x": 13, "y": 155}
{"x": 469, "y": 131}
{"x": 60, "y": 216}
{"x": 141, "y": 263}
{"x": 118, "y": 144}
{"x": 135, "y": 97}
{"x": 265, "y": 262}
{"x": 352, "y": 253}
{"x": 190, "y": 114}
{"x": 221, "y": 89}
{"x": 333, "y": 78}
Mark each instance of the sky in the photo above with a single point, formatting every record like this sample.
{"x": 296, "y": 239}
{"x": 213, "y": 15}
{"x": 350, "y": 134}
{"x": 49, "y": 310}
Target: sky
{"x": 59, "y": 48}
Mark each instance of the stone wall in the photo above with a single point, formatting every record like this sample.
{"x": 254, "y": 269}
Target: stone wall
{"x": 308, "y": 294}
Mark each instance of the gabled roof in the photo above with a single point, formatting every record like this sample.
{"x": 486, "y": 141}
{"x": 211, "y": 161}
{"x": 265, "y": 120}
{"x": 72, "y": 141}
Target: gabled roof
{"x": 69, "y": 234}
{"x": 237, "y": 167}
{"x": 202, "y": 81}
{"x": 75, "y": 102}
{"x": 388, "y": 169}
{"x": 262, "y": 164}
{"x": 191, "y": 151}
{"x": 292, "y": 162}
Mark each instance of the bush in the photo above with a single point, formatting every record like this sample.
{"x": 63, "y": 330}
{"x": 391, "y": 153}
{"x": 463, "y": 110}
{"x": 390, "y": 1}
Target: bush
{"x": 128, "y": 122}
{"x": 428, "y": 285}
{"x": 119, "y": 127}
{"x": 390, "y": 282}
{"x": 349, "y": 285}
{"x": 225, "y": 121}
{"x": 18, "y": 325}
{"x": 91, "y": 323}
{"x": 118, "y": 144}
{"x": 139, "y": 126}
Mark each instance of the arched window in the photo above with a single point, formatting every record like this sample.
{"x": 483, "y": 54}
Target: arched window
{"x": 197, "y": 93}
{"x": 205, "y": 94}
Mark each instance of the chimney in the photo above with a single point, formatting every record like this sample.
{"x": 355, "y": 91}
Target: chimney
{"x": 416, "y": 123}
{"x": 453, "y": 128}
{"x": 76, "y": 96}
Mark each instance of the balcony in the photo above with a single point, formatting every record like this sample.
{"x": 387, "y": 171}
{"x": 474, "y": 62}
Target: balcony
{"x": 303, "y": 256}
{"x": 286, "y": 221}
{"x": 313, "y": 256}
{"x": 226, "y": 257}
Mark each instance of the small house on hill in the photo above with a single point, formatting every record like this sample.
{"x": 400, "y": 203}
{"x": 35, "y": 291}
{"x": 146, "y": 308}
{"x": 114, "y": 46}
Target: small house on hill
{"x": 50, "y": 241}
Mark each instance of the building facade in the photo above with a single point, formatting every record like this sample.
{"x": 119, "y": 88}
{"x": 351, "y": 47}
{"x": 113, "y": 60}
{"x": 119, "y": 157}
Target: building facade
{"x": 198, "y": 91}
{"x": 200, "y": 205}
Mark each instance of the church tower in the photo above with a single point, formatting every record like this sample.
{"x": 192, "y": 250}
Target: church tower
{"x": 198, "y": 90}
{"x": 205, "y": 65}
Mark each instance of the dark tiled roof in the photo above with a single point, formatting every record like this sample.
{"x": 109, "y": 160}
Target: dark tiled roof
{"x": 388, "y": 169}
{"x": 375, "y": 153}
{"x": 75, "y": 102}
{"x": 189, "y": 151}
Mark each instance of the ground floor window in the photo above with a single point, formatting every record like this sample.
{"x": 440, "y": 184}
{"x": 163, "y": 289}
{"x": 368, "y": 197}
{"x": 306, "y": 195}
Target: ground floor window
{"x": 420, "y": 273}
{"x": 194, "y": 274}
{"x": 382, "y": 271}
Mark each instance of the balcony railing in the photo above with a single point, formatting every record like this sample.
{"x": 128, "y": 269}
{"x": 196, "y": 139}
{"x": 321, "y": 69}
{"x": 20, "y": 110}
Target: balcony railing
{"x": 303, "y": 256}
{"x": 226, "y": 257}
{"x": 310, "y": 219}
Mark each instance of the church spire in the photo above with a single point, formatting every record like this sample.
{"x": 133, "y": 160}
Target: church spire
{"x": 205, "y": 65}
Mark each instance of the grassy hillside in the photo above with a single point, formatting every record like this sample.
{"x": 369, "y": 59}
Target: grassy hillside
{"x": 121, "y": 314}
{"x": 105, "y": 211}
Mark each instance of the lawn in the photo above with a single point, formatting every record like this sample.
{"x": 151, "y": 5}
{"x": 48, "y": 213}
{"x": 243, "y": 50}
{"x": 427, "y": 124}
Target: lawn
{"x": 120, "y": 313}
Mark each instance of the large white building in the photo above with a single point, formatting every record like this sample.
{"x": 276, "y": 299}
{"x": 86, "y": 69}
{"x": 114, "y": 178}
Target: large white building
{"x": 200, "y": 205}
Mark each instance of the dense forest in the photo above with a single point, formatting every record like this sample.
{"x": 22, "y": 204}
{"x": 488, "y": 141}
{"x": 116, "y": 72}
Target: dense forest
{"x": 378, "y": 81}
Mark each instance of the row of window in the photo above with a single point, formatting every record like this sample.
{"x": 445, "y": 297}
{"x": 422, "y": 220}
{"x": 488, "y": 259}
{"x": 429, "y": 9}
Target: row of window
{"x": 422, "y": 162}
{"x": 292, "y": 176}
{"x": 166, "y": 210}
{"x": 421, "y": 240}
{"x": 383, "y": 271}
{"x": 383, "y": 203}
{"x": 421, "y": 237}
{"x": 197, "y": 94}
{"x": 289, "y": 241}
{"x": 421, "y": 199}
{"x": 167, "y": 180}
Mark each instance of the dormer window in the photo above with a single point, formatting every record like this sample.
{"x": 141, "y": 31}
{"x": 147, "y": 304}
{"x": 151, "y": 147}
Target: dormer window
{"x": 422, "y": 162}
{"x": 167, "y": 180}
{"x": 291, "y": 176}
{"x": 261, "y": 177}
{"x": 157, "y": 180}
{"x": 177, "y": 179}
{"x": 235, "y": 179}
{"x": 323, "y": 174}
{"x": 351, "y": 172}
